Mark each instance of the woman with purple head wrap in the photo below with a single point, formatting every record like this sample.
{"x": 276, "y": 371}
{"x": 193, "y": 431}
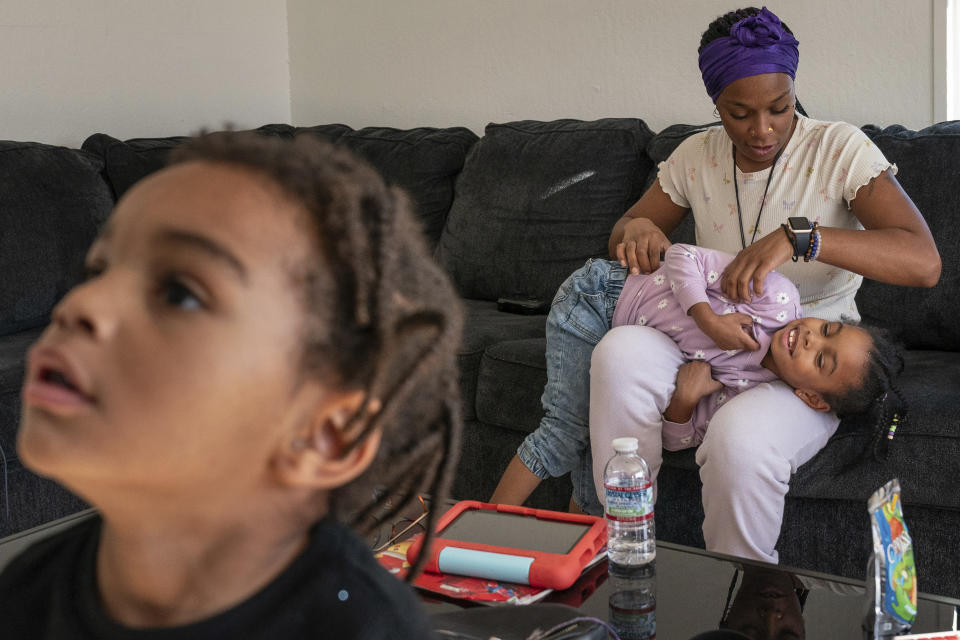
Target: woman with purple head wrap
{"x": 814, "y": 200}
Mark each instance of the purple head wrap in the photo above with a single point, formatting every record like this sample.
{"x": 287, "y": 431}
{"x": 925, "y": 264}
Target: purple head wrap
{"x": 758, "y": 44}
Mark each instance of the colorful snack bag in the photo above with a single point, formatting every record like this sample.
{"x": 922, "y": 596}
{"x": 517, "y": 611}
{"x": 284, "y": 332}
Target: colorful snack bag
{"x": 891, "y": 575}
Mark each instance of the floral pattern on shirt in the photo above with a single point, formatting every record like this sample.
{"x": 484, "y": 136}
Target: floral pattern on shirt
{"x": 688, "y": 269}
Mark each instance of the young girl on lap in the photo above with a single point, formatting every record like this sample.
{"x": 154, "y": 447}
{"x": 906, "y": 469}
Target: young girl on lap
{"x": 260, "y": 346}
{"x": 728, "y": 347}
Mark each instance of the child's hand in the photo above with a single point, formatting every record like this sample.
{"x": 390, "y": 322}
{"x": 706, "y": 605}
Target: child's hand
{"x": 730, "y": 331}
{"x": 694, "y": 381}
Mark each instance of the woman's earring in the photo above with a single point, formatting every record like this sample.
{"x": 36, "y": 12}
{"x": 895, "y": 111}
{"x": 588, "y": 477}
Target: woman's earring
{"x": 770, "y": 129}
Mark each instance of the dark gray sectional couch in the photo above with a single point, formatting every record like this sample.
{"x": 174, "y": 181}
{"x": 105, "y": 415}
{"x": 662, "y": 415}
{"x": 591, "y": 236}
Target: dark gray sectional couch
{"x": 511, "y": 214}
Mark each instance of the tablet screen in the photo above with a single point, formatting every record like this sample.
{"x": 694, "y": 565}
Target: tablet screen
{"x": 481, "y": 526}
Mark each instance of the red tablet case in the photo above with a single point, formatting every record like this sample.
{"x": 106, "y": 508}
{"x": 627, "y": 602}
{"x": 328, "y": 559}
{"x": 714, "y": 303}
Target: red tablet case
{"x": 540, "y": 569}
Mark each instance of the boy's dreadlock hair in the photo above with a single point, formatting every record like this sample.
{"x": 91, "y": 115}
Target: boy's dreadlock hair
{"x": 720, "y": 28}
{"x": 877, "y": 398}
{"x": 381, "y": 316}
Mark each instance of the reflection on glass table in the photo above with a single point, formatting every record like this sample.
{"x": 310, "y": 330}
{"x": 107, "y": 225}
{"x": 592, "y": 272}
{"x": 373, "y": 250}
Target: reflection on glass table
{"x": 767, "y": 604}
{"x": 633, "y": 604}
{"x": 689, "y": 592}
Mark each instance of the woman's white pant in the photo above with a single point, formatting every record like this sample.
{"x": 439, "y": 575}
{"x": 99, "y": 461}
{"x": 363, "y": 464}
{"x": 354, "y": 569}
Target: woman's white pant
{"x": 753, "y": 445}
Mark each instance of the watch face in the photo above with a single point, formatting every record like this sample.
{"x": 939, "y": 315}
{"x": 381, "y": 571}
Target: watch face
{"x": 799, "y": 225}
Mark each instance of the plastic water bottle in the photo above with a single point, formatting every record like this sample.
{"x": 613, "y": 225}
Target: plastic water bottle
{"x": 631, "y": 543}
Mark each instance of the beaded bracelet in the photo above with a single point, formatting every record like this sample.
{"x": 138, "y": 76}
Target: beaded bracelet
{"x": 813, "y": 251}
{"x": 892, "y": 429}
{"x": 813, "y": 247}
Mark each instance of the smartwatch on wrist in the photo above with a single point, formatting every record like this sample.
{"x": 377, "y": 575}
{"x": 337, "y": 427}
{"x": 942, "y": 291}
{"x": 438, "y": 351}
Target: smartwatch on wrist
{"x": 800, "y": 230}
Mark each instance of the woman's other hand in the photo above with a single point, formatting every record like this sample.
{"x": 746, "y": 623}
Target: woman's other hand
{"x": 642, "y": 246}
{"x": 753, "y": 264}
{"x": 640, "y": 236}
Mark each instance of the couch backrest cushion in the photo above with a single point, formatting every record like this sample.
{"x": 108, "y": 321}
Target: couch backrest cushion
{"x": 665, "y": 142}
{"x": 52, "y": 202}
{"x": 536, "y": 199}
{"x": 329, "y": 132}
{"x": 424, "y": 162}
{"x": 127, "y": 161}
{"x": 928, "y": 163}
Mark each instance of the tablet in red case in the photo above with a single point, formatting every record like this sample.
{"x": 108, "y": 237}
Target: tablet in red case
{"x": 515, "y": 544}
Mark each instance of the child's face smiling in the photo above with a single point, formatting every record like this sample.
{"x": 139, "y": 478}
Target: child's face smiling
{"x": 174, "y": 367}
{"x": 813, "y": 355}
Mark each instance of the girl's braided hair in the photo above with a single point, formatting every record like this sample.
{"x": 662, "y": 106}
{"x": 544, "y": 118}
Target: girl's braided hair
{"x": 380, "y": 316}
{"x": 877, "y": 398}
{"x": 720, "y": 28}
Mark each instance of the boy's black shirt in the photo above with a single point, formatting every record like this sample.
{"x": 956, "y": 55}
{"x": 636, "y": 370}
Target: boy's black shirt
{"x": 334, "y": 589}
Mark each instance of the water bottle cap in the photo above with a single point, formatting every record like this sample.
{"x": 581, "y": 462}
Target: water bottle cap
{"x": 625, "y": 445}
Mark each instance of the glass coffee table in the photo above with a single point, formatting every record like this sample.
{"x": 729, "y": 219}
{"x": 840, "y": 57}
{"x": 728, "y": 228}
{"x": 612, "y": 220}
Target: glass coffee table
{"x": 695, "y": 590}
{"x": 688, "y": 591}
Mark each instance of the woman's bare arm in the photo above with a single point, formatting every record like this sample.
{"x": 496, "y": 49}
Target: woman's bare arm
{"x": 896, "y": 246}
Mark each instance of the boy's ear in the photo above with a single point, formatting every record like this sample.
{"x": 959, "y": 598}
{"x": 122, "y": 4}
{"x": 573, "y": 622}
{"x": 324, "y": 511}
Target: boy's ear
{"x": 812, "y": 399}
{"x": 316, "y": 455}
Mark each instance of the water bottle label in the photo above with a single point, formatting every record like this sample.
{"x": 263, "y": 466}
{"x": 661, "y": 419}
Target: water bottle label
{"x": 629, "y": 504}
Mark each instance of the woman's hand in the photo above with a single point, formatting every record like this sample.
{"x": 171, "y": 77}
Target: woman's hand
{"x": 753, "y": 264}
{"x": 641, "y": 246}
{"x": 730, "y": 331}
{"x": 639, "y": 237}
{"x": 694, "y": 381}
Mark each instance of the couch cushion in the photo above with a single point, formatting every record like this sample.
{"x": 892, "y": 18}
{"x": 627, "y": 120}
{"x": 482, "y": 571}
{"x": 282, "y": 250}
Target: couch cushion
{"x": 664, "y": 143}
{"x": 424, "y": 162}
{"x": 329, "y": 132}
{"x": 13, "y": 350}
{"x": 52, "y": 202}
{"x": 486, "y": 326}
{"x": 925, "y": 454}
{"x": 510, "y": 383}
{"x": 127, "y": 161}
{"x": 536, "y": 199}
{"x": 928, "y": 162}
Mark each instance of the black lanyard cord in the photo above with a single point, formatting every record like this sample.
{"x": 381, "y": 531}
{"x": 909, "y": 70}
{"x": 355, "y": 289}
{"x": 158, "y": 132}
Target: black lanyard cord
{"x": 763, "y": 201}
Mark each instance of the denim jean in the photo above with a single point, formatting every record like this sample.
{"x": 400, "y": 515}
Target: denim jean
{"x": 579, "y": 317}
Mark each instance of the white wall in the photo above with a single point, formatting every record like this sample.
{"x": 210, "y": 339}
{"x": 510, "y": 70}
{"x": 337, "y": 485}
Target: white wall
{"x": 468, "y": 62}
{"x": 165, "y": 67}
{"x": 140, "y": 67}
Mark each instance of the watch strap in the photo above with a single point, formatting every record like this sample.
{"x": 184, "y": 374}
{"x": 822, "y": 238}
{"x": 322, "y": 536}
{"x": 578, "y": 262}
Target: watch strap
{"x": 792, "y": 237}
{"x": 801, "y": 242}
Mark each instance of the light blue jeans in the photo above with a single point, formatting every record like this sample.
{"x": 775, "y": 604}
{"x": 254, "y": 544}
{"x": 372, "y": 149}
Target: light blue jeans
{"x": 579, "y": 317}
